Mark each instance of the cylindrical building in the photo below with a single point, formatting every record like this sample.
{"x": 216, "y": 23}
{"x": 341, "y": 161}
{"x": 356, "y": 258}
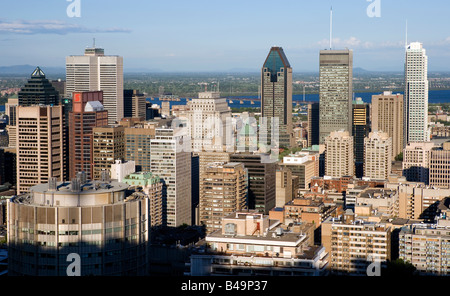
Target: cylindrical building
{"x": 92, "y": 219}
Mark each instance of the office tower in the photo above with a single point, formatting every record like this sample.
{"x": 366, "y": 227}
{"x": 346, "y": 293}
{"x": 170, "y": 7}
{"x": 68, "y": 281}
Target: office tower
{"x": 336, "y": 89}
{"x": 96, "y": 71}
{"x": 134, "y": 104}
{"x": 377, "y": 155}
{"x": 108, "y": 145}
{"x": 353, "y": 244}
{"x": 11, "y": 113}
{"x": 209, "y": 119}
{"x": 276, "y": 95}
{"x": 262, "y": 180}
{"x": 440, "y": 166}
{"x": 223, "y": 190}
{"x": 152, "y": 186}
{"x": 313, "y": 124}
{"x": 426, "y": 247}
{"x": 38, "y": 90}
{"x": 416, "y": 162}
{"x": 416, "y": 95}
{"x": 339, "y": 160}
{"x": 109, "y": 231}
{"x": 40, "y": 145}
{"x": 387, "y": 116}
{"x": 87, "y": 113}
{"x": 360, "y": 130}
{"x": 171, "y": 160}
{"x": 10, "y": 165}
{"x": 303, "y": 165}
{"x": 60, "y": 86}
{"x": 137, "y": 145}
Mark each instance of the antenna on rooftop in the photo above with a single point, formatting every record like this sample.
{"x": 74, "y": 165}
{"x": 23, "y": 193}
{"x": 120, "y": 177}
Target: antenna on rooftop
{"x": 331, "y": 27}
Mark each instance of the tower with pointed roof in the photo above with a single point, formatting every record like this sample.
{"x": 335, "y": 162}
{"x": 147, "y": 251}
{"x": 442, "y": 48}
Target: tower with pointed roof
{"x": 38, "y": 91}
{"x": 276, "y": 94}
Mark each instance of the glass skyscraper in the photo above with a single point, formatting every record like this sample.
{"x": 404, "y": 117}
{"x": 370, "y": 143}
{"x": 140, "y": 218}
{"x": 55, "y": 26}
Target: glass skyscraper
{"x": 276, "y": 94}
{"x": 336, "y": 91}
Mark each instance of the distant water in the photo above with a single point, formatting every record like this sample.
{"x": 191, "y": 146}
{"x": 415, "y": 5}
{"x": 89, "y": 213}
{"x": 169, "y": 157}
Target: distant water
{"x": 434, "y": 97}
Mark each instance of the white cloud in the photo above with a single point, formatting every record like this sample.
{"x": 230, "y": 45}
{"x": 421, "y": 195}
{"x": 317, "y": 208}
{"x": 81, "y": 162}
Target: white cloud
{"x": 50, "y": 27}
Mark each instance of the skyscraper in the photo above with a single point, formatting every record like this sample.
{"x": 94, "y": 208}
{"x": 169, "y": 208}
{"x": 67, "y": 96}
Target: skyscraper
{"x": 336, "y": 89}
{"x": 38, "y": 90}
{"x": 387, "y": 116}
{"x": 87, "y": 113}
{"x": 95, "y": 71}
{"x": 276, "y": 94}
{"x": 137, "y": 145}
{"x": 40, "y": 145}
{"x": 134, "y": 104}
{"x": 416, "y": 95}
{"x": 209, "y": 120}
{"x": 313, "y": 124}
{"x": 171, "y": 160}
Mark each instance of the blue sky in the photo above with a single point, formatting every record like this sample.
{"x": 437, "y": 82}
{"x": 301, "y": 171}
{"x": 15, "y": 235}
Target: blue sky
{"x": 198, "y": 35}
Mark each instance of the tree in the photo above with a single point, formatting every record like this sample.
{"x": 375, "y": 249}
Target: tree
{"x": 399, "y": 157}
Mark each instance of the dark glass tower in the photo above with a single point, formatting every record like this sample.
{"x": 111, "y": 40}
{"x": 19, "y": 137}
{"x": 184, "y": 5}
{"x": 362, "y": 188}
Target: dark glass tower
{"x": 38, "y": 90}
{"x": 276, "y": 94}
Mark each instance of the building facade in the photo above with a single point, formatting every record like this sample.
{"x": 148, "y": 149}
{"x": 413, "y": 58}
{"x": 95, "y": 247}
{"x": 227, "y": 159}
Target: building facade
{"x": 96, "y": 71}
{"x": 223, "y": 190}
{"x": 387, "y": 116}
{"x": 336, "y": 91}
{"x": 40, "y": 145}
{"x": 276, "y": 94}
{"x": 108, "y": 146}
{"x": 339, "y": 159}
{"x": 377, "y": 155}
{"x": 416, "y": 95}
{"x": 93, "y": 219}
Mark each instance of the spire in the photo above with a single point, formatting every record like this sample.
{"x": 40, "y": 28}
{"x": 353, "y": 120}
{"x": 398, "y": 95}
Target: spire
{"x": 331, "y": 27}
{"x": 38, "y": 73}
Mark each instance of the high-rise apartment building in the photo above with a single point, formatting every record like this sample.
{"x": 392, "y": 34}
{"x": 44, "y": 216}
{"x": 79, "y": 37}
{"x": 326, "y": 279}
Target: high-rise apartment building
{"x": 171, "y": 160}
{"x": 339, "y": 160}
{"x": 38, "y": 91}
{"x": 223, "y": 190}
{"x": 95, "y": 71}
{"x": 354, "y": 244}
{"x": 261, "y": 180}
{"x": 415, "y": 105}
{"x": 360, "y": 130}
{"x": 276, "y": 95}
{"x": 40, "y": 145}
{"x": 377, "y": 155}
{"x": 336, "y": 91}
{"x": 416, "y": 161}
{"x": 108, "y": 146}
{"x": 426, "y": 247}
{"x": 302, "y": 165}
{"x": 87, "y": 113}
{"x": 387, "y": 115}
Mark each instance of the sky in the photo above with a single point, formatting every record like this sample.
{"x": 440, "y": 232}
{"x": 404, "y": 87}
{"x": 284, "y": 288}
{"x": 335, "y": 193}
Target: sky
{"x": 212, "y": 35}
